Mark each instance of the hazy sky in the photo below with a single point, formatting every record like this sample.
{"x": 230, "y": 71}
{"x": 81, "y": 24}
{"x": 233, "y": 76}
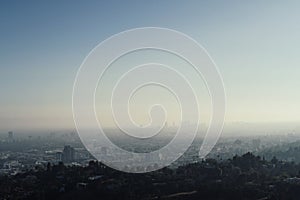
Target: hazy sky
{"x": 256, "y": 45}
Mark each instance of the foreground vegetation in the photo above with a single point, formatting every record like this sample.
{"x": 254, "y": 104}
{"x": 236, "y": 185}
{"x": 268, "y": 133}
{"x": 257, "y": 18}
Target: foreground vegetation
{"x": 242, "y": 177}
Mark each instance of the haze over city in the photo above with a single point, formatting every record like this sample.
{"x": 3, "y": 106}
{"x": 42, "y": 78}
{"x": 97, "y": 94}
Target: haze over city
{"x": 254, "y": 44}
{"x": 150, "y": 100}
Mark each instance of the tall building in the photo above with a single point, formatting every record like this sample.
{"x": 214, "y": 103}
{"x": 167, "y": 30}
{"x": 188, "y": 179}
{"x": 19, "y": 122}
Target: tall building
{"x": 59, "y": 156}
{"x": 68, "y": 154}
{"x": 10, "y": 135}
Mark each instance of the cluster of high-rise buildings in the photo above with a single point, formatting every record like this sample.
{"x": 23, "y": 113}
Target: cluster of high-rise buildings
{"x": 67, "y": 155}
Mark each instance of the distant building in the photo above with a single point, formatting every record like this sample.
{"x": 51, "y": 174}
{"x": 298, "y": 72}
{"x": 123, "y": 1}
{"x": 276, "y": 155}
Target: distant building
{"x": 10, "y": 135}
{"x": 166, "y": 125}
{"x": 59, "y": 156}
{"x": 68, "y": 154}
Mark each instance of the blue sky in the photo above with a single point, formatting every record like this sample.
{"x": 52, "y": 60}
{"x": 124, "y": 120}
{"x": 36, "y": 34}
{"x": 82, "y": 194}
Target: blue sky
{"x": 255, "y": 44}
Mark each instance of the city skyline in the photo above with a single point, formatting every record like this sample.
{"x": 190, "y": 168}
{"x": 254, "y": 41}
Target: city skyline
{"x": 254, "y": 44}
